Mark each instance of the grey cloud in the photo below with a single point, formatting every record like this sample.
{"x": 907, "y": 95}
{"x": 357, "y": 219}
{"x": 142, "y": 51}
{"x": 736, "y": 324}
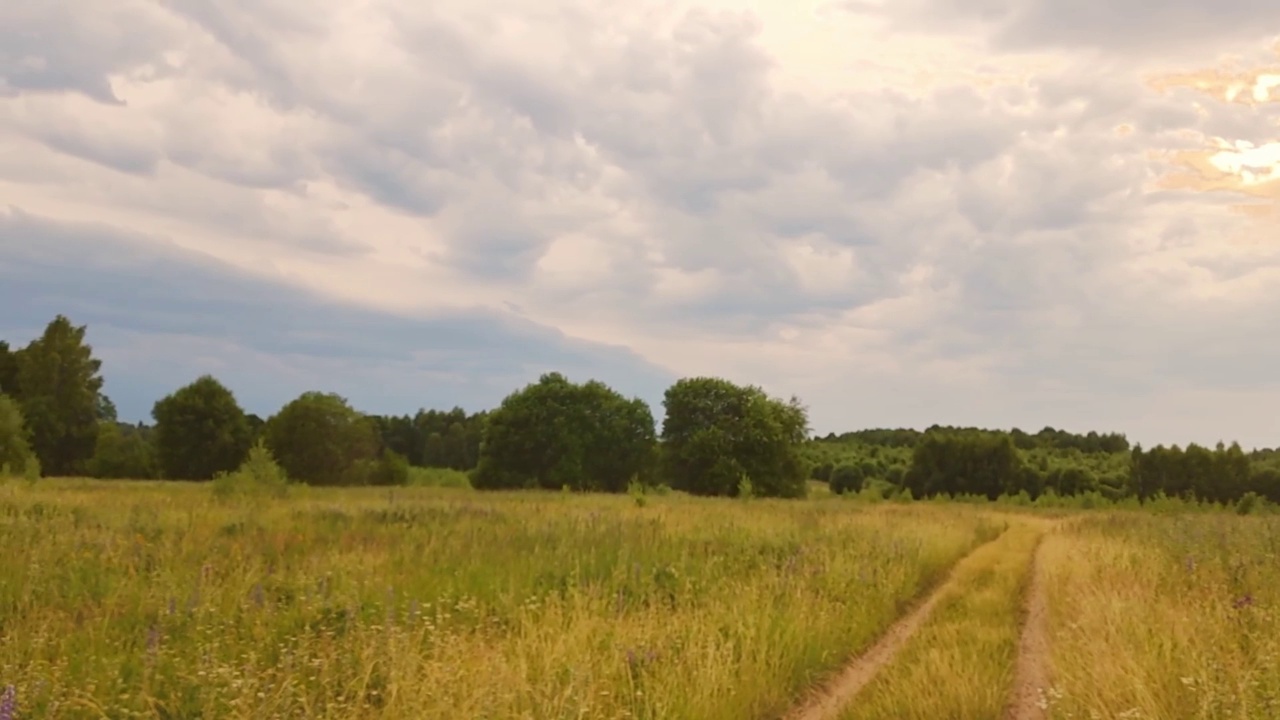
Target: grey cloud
{"x": 1136, "y": 29}
{"x": 46, "y": 46}
{"x": 117, "y": 283}
{"x": 131, "y": 158}
{"x": 1137, "y": 26}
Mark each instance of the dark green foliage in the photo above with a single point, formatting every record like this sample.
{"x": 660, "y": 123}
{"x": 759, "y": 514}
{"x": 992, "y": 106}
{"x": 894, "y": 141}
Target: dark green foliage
{"x": 965, "y": 462}
{"x": 256, "y": 427}
{"x": 318, "y": 439}
{"x": 123, "y": 452}
{"x": 15, "y": 451}
{"x": 1046, "y": 439}
{"x": 1224, "y": 474}
{"x": 717, "y": 433}
{"x": 847, "y": 479}
{"x": 9, "y": 371}
{"x": 200, "y": 431}
{"x": 434, "y": 438}
{"x": 822, "y": 471}
{"x": 60, "y": 387}
{"x": 555, "y": 433}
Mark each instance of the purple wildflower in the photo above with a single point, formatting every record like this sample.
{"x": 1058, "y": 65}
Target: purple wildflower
{"x": 1243, "y": 602}
{"x": 9, "y": 704}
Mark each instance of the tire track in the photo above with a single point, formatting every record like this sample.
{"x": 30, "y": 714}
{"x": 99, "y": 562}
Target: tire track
{"x": 831, "y": 698}
{"x": 1027, "y": 701}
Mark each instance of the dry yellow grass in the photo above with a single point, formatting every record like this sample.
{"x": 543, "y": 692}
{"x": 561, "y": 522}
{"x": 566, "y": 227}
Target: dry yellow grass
{"x": 960, "y": 665}
{"x": 1165, "y": 618}
{"x": 155, "y": 601}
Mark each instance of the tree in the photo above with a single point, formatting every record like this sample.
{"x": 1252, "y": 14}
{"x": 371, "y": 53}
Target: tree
{"x": 847, "y": 479}
{"x": 15, "y": 451}
{"x": 966, "y": 462}
{"x": 717, "y": 434}
{"x": 555, "y": 433}
{"x": 320, "y": 440}
{"x": 200, "y": 431}
{"x": 9, "y": 371}
{"x": 61, "y": 397}
{"x": 124, "y": 453}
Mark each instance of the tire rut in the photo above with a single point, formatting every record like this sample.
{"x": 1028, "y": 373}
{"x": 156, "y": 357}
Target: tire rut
{"x": 832, "y": 697}
{"x": 1027, "y": 701}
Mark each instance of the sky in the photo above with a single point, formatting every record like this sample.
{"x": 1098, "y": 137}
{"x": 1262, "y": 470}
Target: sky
{"x": 1003, "y": 213}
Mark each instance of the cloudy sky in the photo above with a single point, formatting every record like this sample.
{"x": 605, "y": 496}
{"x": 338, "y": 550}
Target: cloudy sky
{"x": 987, "y": 212}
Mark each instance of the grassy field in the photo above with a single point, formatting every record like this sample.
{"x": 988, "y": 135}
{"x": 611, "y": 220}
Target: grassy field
{"x": 1165, "y": 617}
{"x": 155, "y": 600}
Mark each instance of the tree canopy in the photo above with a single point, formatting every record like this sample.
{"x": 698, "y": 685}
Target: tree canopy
{"x": 319, "y": 439}
{"x": 717, "y": 434}
{"x": 200, "y": 431}
{"x": 555, "y": 433}
{"x": 60, "y": 393}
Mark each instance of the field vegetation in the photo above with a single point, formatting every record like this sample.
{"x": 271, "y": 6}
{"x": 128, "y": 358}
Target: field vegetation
{"x": 164, "y": 601}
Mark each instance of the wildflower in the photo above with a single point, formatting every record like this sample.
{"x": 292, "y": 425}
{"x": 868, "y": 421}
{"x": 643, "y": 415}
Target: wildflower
{"x": 1243, "y": 602}
{"x": 9, "y": 704}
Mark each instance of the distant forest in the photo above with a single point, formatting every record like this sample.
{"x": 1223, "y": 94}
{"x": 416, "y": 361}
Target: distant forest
{"x": 716, "y": 438}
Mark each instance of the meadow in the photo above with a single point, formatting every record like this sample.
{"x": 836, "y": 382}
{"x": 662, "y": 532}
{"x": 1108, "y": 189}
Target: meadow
{"x": 161, "y": 600}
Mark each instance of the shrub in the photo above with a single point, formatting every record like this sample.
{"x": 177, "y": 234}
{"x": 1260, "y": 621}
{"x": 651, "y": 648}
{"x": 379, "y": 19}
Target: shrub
{"x": 847, "y": 479}
{"x": 391, "y": 468}
{"x": 258, "y": 476}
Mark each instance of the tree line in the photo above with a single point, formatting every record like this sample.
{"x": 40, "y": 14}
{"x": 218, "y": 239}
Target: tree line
{"x": 715, "y": 438}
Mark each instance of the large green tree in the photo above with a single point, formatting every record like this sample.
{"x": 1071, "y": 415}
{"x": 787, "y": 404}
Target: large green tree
{"x": 15, "y": 451}
{"x": 200, "y": 431}
{"x": 320, "y": 440}
{"x": 555, "y": 433}
{"x": 61, "y": 396}
{"x": 717, "y": 434}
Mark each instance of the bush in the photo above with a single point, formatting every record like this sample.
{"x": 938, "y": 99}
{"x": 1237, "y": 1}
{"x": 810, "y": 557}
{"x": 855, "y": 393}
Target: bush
{"x": 391, "y": 468}
{"x": 258, "y": 476}
{"x": 1249, "y": 503}
{"x": 847, "y": 479}
{"x": 438, "y": 477}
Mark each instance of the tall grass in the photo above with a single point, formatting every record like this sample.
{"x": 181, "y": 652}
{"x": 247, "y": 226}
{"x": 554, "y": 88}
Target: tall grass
{"x": 1166, "y": 617}
{"x": 153, "y": 600}
{"x": 960, "y": 664}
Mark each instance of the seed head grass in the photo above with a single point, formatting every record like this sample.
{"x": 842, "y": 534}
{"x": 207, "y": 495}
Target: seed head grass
{"x": 149, "y": 600}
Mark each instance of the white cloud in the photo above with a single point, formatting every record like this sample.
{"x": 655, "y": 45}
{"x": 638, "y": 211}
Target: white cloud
{"x": 1000, "y": 212}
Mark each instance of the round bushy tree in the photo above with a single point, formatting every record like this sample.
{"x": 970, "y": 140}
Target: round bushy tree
{"x": 847, "y": 479}
{"x": 200, "y": 431}
{"x": 320, "y": 440}
{"x": 555, "y": 433}
{"x": 717, "y": 434}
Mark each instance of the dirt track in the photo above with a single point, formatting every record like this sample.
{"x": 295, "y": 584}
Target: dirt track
{"x": 827, "y": 703}
{"x": 1031, "y": 675}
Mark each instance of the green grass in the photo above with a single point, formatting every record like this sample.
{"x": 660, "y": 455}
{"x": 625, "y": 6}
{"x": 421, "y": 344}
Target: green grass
{"x": 156, "y": 600}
